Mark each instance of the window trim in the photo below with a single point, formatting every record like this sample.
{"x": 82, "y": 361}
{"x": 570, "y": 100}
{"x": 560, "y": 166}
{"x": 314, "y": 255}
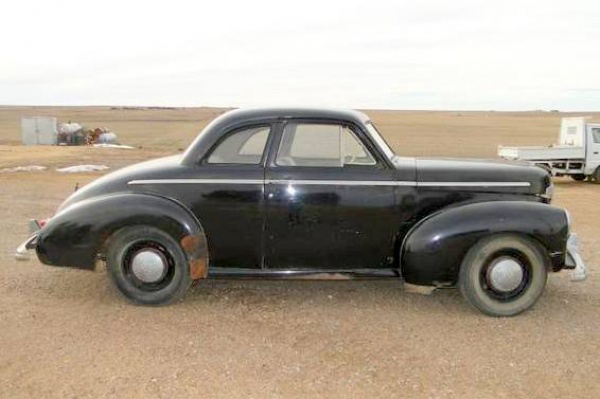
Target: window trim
{"x": 232, "y": 131}
{"x": 355, "y": 129}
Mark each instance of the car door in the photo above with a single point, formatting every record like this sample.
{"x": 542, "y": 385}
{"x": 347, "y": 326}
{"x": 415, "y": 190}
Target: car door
{"x": 330, "y": 199}
{"x": 229, "y": 197}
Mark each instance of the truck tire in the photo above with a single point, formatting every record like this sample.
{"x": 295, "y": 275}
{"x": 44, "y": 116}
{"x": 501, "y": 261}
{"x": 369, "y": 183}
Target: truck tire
{"x": 147, "y": 265}
{"x": 596, "y": 175}
{"x": 503, "y": 275}
{"x": 579, "y": 177}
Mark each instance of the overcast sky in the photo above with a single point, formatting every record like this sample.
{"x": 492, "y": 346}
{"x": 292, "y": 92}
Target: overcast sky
{"x": 426, "y": 54}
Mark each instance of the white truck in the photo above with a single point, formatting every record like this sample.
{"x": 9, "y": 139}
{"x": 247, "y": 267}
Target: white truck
{"x": 577, "y": 153}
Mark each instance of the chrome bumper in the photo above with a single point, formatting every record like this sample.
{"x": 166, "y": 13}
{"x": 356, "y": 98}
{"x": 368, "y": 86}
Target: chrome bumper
{"x": 574, "y": 261}
{"x": 22, "y": 252}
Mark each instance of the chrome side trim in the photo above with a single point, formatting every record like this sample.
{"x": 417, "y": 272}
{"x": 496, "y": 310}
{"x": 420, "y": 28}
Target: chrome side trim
{"x": 333, "y": 182}
{"x": 345, "y": 182}
{"x": 197, "y": 181}
{"x": 474, "y": 184}
{"x": 275, "y": 181}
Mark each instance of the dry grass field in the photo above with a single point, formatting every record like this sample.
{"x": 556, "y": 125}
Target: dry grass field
{"x": 67, "y": 333}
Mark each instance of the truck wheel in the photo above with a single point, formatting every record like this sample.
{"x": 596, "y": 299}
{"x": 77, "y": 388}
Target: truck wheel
{"x": 580, "y": 177}
{"x": 147, "y": 265}
{"x": 503, "y": 275}
{"x": 596, "y": 175}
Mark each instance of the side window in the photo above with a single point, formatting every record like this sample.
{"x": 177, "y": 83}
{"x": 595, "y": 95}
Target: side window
{"x": 325, "y": 145}
{"x": 354, "y": 151}
{"x": 596, "y": 135}
{"x": 244, "y": 146}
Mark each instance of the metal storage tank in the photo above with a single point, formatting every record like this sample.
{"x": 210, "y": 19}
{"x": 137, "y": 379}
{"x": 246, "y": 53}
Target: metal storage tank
{"x": 39, "y": 130}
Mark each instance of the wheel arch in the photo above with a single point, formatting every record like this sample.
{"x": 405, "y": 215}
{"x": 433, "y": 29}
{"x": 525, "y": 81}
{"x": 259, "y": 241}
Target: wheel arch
{"x": 433, "y": 249}
{"x": 76, "y": 235}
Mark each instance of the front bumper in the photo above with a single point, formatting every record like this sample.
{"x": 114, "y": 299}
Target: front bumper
{"x": 574, "y": 260}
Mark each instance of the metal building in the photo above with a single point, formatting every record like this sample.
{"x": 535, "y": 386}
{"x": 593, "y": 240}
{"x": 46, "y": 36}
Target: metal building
{"x": 37, "y": 130}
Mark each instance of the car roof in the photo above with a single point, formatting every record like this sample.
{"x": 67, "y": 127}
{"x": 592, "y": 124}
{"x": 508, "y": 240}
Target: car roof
{"x": 214, "y": 130}
{"x": 291, "y": 112}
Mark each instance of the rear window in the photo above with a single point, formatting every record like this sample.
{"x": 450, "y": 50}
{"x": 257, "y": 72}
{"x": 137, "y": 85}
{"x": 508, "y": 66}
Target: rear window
{"x": 245, "y": 146}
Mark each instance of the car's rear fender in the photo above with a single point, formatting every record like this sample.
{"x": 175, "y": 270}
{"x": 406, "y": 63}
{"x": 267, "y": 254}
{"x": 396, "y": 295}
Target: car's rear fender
{"x": 433, "y": 249}
{"x": 77, "y": 234}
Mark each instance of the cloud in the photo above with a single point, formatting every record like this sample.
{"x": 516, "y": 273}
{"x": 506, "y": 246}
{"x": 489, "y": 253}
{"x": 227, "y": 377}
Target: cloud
{"x": 431, "y": 54}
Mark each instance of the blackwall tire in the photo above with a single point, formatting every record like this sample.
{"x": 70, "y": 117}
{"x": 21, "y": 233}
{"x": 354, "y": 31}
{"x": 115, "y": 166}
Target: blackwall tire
{"x": 580, "y": 177}
{"x": 483, "y": 284}
{"x": 147, "y": 265}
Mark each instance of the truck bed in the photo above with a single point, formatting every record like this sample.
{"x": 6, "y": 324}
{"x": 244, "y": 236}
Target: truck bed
{"x": 534, "y": 153}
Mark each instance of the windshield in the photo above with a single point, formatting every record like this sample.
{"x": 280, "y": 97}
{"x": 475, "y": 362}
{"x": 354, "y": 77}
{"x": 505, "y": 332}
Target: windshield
{"x": 381, "y": 143}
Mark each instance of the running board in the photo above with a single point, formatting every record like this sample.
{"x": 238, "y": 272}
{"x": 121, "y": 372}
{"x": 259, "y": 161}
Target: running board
{"x": 227, "y": 272}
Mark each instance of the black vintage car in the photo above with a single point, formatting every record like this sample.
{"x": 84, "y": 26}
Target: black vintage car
{"x": 309, "y": 193}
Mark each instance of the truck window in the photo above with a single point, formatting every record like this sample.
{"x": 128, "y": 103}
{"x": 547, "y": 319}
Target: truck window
{"x": 596, "y": 134}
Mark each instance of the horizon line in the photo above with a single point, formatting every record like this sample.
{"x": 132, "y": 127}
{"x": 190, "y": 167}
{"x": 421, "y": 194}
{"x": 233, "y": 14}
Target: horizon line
{"x": 540, "y": 110}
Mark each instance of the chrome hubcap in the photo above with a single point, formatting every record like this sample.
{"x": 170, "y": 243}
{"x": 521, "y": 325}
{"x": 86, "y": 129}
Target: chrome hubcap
{"x": 505, "y": 274}
{"x": 149, "y": 266}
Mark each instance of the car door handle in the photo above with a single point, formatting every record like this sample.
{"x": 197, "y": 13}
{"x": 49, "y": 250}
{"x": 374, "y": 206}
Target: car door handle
{"x": 596, "y": 152}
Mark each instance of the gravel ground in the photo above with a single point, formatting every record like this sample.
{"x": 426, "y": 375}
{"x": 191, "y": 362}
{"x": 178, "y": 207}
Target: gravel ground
{"x": 68, "y": 333}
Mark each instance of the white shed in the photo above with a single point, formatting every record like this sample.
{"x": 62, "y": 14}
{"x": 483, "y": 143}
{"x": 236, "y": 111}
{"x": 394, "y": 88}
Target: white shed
{"x": 39, "y": 130}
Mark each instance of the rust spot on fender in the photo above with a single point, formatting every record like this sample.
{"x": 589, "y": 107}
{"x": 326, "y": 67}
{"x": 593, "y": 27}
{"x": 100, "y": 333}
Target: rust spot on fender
{"x": 191, "y": 243}
{"x": 197, "y": 251}
{"x": 198, "y": 269}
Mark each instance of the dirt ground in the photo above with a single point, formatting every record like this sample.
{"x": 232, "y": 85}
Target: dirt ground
{"x": 68, "y": 333}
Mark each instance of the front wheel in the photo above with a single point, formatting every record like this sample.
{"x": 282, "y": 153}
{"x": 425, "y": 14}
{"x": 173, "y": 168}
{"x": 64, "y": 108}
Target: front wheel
{"x": 147, "y": 265}
{"x": 578, "y": 177}
{"x": 503, "y": 275}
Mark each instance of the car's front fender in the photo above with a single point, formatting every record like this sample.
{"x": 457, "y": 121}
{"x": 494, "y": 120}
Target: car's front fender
{"x": 77, "y": 234}
{"x": 434, "y": 248}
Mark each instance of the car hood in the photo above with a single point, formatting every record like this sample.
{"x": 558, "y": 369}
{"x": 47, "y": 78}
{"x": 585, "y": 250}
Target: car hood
{"x": 117, "y": 180}
{"x": 482, "y": 175}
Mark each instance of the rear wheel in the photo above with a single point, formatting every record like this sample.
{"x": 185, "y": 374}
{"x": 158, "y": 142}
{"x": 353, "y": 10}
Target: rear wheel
{"x": 147, "y": 265}
{"x": 503, "y": 275}
{"x": 579, "y": 177}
